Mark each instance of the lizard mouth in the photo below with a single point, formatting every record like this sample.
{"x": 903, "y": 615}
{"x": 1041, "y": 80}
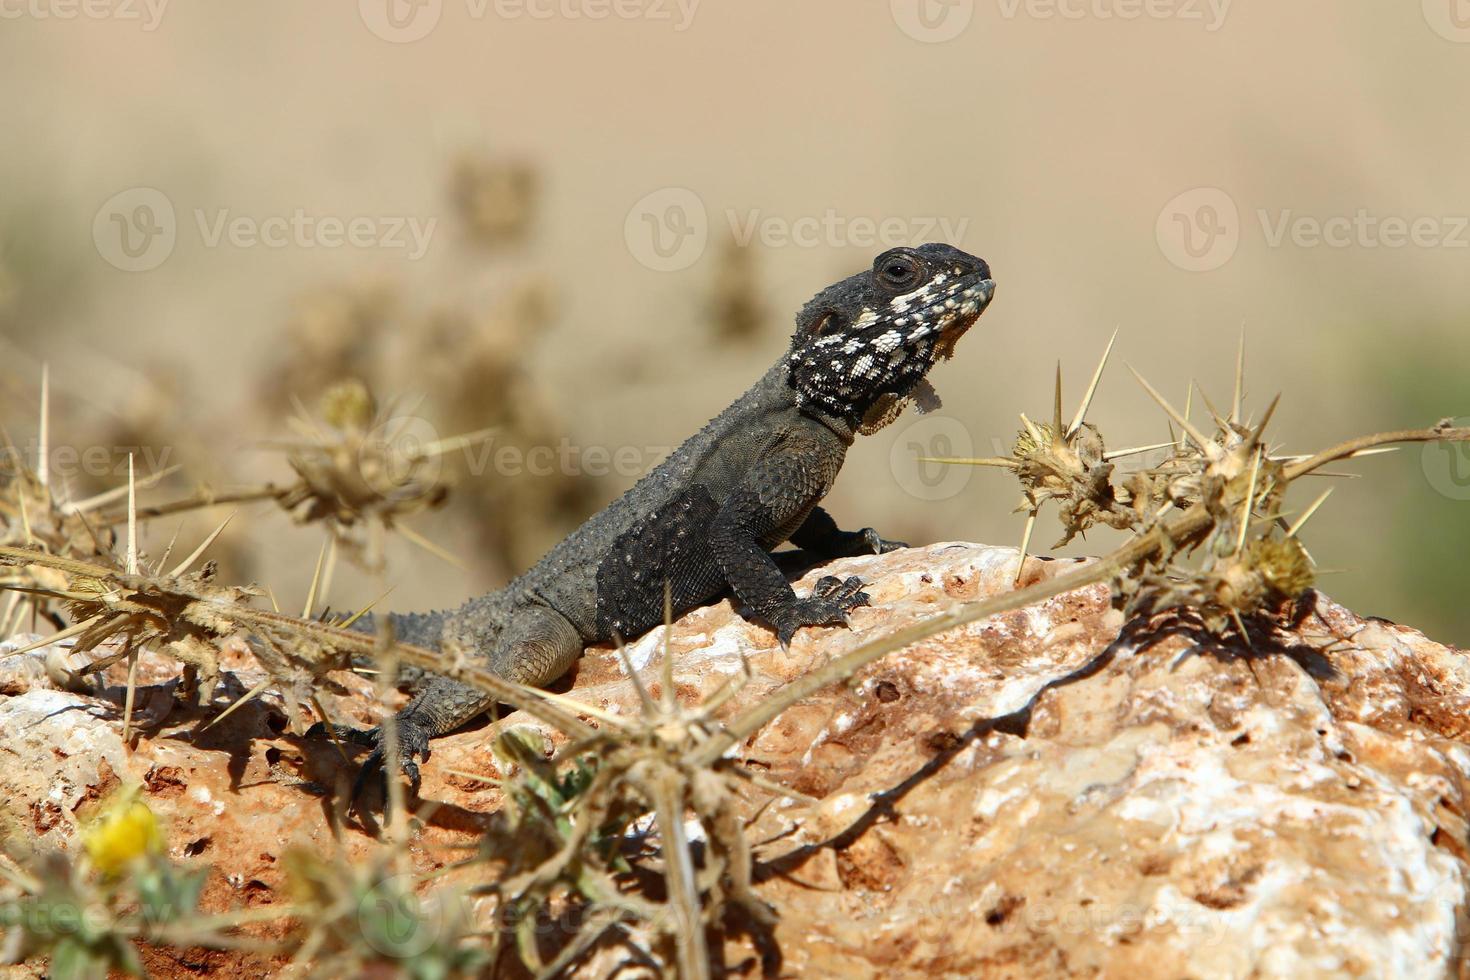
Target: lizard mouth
{"x": 971, "y": 303}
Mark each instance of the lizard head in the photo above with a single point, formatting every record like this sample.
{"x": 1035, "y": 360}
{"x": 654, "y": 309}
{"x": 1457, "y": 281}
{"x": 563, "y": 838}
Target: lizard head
{"x": 863, "y": 346}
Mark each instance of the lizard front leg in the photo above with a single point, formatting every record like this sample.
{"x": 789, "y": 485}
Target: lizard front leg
{"x": 777, "y": 493}
{"x": 820, "y": 535}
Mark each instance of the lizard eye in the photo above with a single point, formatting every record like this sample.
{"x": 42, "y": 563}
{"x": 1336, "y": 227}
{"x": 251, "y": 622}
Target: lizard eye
{"x": 898, "y": 271}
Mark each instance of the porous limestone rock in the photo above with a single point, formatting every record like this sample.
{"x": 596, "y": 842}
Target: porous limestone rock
{"x": 1047, "y": 792}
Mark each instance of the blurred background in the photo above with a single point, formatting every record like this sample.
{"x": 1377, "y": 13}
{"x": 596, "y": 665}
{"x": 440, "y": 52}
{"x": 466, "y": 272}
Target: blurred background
{"x": 589, "y": 223}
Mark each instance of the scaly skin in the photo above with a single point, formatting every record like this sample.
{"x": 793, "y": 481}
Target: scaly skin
{"x": 706, "y": 519}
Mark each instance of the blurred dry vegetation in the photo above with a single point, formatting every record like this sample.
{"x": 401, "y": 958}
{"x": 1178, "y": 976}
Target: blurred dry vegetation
{"x": 461, "y": 367}
{"x": 529, "y": 314}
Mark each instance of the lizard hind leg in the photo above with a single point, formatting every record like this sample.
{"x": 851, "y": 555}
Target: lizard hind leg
{"x": 536, "y": 647}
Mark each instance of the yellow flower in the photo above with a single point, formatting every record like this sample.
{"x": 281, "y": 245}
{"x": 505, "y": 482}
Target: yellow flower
{"x": 124, "y": 831}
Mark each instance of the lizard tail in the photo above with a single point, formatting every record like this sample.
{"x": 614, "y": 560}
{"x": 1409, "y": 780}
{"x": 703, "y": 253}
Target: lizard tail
{"x": 416, "y": 629}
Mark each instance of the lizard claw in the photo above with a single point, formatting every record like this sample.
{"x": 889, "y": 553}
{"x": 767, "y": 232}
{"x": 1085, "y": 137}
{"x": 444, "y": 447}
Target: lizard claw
{"x": 829, "y": 603}
{"x": 413, "y": 744}
{"x": 880, "y": 545}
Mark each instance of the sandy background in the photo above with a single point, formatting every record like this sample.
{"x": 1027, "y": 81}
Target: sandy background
{"x": 1070, "y": 145}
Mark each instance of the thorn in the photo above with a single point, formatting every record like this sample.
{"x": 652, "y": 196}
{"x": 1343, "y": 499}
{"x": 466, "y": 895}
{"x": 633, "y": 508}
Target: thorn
{"x": 582, "y": 707}
{"x": 306, "y": 420}
{"x": 1120, "y": 453}
{"x": 962, "y": 461}
{"x": 1239, "y": 377}
{"x": 65, "y": 634}
{"x": 132, "y": 529}
{"x": 429, "y": 546}
{"x": 1297, "y": 524}
{"x": 1240, "y": 625}
{"x": 158, "y": 569}
{"x": 364, "y": 610}
{"x": 316, "y": 577}
{"x": 1265, "y": 419}
{"x": 1214, "y": 412}
{"x": 1025, "y": 543}
{"x": 43, "y": 461}
{"x": 1031, "y": 428}
{"x": 331, "y": 571}
{"x": 670, "y": 703}
{"x": 1057, "y": 435}
{"x": 1184, "y": 423}
{"x": 108, "y": 496}
{"x": 240, "y": 702}
{"x": 182, "y": 566}
{"x": 649, "y": 708}
{"x": 1248, "y": 504}
{"x": 25, "y": 517}
{"x": 128, "y": 697}
{"x": 1081, "y": 415}
{"x": 331, "y": 729}
{"x": 441, "y": 446}
{"x": 478, "y": 777}
{"x": 11, "y": 605}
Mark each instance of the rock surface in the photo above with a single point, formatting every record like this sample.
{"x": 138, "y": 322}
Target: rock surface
{"x": 1030, "y": 795}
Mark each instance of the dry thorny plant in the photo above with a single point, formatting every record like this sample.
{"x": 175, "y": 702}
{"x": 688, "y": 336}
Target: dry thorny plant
{"x": 1210, "y": 538}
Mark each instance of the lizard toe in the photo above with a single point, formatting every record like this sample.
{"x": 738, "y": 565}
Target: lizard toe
{"x": 413, "y": 744}
{"x": 843, "y": 595}
{"x": 345, "y": 733}
{"x": 880, "y": 545}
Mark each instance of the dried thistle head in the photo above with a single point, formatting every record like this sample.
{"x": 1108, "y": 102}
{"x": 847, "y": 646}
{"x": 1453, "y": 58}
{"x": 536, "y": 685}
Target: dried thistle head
{"x": 364, "y": 466}
{"x": 349, "y": 406}
{"x": 1283, "y": 565}
{"x": 1071, "y": 468}
{"x": 496, "y": 199}
{"x": 1224, "y": 591}
{"x": 736, "y": 307}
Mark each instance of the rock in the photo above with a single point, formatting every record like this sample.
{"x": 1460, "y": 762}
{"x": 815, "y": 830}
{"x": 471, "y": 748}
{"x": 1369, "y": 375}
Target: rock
{"x": 1034, "y": 794}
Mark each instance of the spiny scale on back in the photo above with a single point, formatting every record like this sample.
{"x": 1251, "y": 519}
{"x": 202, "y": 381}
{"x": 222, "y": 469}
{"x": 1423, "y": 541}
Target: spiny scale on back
{"x": 705, "y": 520}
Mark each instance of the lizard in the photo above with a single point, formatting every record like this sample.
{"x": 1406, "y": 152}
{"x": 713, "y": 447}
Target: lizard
{"x": 706, "y": 519}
